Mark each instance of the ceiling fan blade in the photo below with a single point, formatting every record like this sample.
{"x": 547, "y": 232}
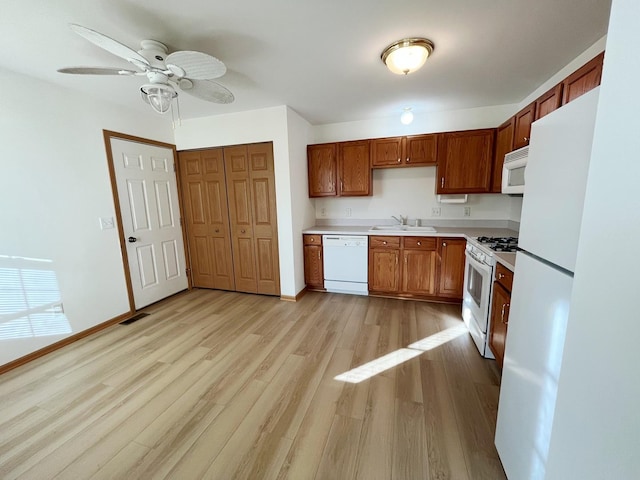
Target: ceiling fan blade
{"x": 196, "y": 65}
{"x": 97, "y": 71}
{"x": 206, "y": 90}
{"x": 108, "y": 44}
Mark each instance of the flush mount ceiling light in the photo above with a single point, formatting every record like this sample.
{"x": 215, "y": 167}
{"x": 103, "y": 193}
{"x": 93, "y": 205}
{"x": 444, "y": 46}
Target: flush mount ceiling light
{"x": 159, "y": 96}
{"x": 407, "y": 55}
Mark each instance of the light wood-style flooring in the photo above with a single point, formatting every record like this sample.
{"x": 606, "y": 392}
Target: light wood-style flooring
{"x": 225, "y": 385}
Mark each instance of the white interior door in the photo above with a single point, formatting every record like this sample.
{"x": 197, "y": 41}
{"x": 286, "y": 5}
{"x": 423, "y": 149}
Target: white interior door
{"x": 148, "y": 195}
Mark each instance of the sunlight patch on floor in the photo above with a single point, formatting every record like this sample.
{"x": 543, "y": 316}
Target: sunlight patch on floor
{"x": 401, "y": 355}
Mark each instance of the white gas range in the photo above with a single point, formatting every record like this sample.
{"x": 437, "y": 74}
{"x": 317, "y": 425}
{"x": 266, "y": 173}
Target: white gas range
{"x": 478, "y": 283}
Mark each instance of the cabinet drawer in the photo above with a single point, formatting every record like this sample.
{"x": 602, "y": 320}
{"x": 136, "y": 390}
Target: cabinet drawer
{"x": 420, "y": 243}
{"x": 384, "y": 242}
{"x": 504, "y": 276}
{"x": 312, "y": 239}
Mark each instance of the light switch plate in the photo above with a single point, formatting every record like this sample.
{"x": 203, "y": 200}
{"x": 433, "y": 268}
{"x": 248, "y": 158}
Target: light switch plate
{"x": 107, "y": 223}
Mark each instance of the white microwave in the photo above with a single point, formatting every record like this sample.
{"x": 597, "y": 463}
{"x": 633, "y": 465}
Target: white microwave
{"x": 513, "y": 170}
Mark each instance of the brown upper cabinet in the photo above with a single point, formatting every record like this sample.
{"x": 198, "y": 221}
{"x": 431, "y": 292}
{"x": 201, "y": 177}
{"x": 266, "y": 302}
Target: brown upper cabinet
{"x": 523, "y": 120}
{"x": 504, "y": 144}
{"x": 414, "y": 150}
{"x": 582, "y": 80}
{"x": 339, "y": 169}
{"x": 354, "y": 169}
{"x": 548, "y": 102}
{"x": 322, "y": 163}
{"x": 464, "y": 161}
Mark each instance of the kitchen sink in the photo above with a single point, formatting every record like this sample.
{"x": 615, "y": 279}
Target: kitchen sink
{"x": 401, "y": 228}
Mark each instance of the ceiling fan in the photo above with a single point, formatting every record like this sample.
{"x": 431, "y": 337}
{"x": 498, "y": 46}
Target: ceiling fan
{"x": 191, "y": 72}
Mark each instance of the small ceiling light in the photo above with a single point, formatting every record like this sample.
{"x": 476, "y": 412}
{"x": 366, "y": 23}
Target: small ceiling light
{"x": 407, "y": 116}
{"x": 407, "y": 55}
{"x": 159, "y": 96}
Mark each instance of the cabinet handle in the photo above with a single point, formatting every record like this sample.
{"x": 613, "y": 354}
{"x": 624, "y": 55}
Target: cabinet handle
{"x": 398, "y": 159}
{"x": 217, "y": 230}
{"x": 341, "y": 186}
{"x": 526, "y": 139}
{"x": 396, "y": 259}
{"x": 444, "y": 244}
{"x": 442, "y": 182}
{"x": 500, "y": 276}
{"x": 408, "y": 159}
{"x": 312, "y": 239}
{"x": 504, "y": 305}
{"x": 419, "y": 243}
{"x": 384, "y": 242}
{"x": 242, "y": 231}
{"x": 319, "y": 257}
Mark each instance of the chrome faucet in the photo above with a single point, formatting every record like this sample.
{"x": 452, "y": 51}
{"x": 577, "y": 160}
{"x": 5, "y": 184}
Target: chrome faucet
{"x": 402, "y": 220}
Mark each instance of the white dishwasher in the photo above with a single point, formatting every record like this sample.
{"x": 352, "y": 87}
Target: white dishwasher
{"x": 346, "y": 263}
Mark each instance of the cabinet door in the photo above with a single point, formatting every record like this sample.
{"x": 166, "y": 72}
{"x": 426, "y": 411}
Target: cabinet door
{"x": 549, "y": 101}
{"x": 354, "y": 169}
{"x": 582, "y": 80}
{"x": 419, "y": 272}
{"x": 384, "y": 270}
{"x": 451, "y": 274}
{"x": 387, "y": 152}
{"x": 264, "y": 217}
{"x": 504, "y": 144}
{"x": 499, "y": 320}
{"x": 322, "y": 165}
{"x": 464, "y": 161}
{"x": 313, "y": 270}
{"x": 422, "y": 150}
{"x": 524, "y": 119}
{"x": 204, "y": 194}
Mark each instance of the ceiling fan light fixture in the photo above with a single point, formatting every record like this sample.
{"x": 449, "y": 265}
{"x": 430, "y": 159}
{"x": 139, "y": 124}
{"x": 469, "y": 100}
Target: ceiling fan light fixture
{"x": 159, "y": 96}
{"x": 407, "y": 55}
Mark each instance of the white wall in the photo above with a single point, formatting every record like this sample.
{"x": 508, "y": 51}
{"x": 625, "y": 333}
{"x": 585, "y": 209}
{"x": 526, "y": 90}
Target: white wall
{"x": 302, "y": 207}
{"x": 597, "y": 418}
{"x": 411, "y": 191}
{"x": 53, "y": 187}
{"x": 266, "y": 125}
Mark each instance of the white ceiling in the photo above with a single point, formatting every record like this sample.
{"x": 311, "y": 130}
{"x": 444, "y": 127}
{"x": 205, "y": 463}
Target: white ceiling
{"x": 322, "y": 57}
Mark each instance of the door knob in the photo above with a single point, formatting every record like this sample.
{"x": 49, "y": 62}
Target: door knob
{"x": 132, "y": 239}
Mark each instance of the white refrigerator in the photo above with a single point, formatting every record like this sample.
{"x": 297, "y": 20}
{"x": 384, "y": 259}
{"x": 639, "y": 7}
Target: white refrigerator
{"x": 555, "y": 183}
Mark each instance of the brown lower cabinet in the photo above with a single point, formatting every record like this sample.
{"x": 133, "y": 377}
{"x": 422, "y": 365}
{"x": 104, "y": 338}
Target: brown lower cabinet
{"x": 313, "y": 262}
{"x": 501, "y": 303}
{"x": 430, "y": 267}
{"x": 230, "y": 208}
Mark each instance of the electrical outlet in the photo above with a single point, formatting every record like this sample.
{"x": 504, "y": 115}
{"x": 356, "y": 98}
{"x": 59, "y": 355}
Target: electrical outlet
{"x": 323, "y": 212}
{"x": 467, "y": 211}
{"x": 348, "y": 211}
{"x": 435, "y": 211}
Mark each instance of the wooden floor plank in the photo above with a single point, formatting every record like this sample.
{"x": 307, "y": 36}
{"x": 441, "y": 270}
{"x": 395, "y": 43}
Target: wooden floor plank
{"x": 215, "y": 384}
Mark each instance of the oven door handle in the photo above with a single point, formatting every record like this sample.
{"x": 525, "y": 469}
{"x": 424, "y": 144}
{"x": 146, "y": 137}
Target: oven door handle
{"x": 483, "y": 267}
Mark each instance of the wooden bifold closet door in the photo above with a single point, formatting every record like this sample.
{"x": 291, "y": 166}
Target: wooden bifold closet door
{"x": 243, "y": 198}
{"x": 204, "y": 194}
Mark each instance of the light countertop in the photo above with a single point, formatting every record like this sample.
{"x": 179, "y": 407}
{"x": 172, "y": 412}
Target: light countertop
{"x": 506, "y": 259}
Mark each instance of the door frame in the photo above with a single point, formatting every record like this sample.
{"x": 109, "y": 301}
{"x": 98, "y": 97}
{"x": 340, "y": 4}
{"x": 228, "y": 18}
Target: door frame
{"x": 108, "y": 135}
